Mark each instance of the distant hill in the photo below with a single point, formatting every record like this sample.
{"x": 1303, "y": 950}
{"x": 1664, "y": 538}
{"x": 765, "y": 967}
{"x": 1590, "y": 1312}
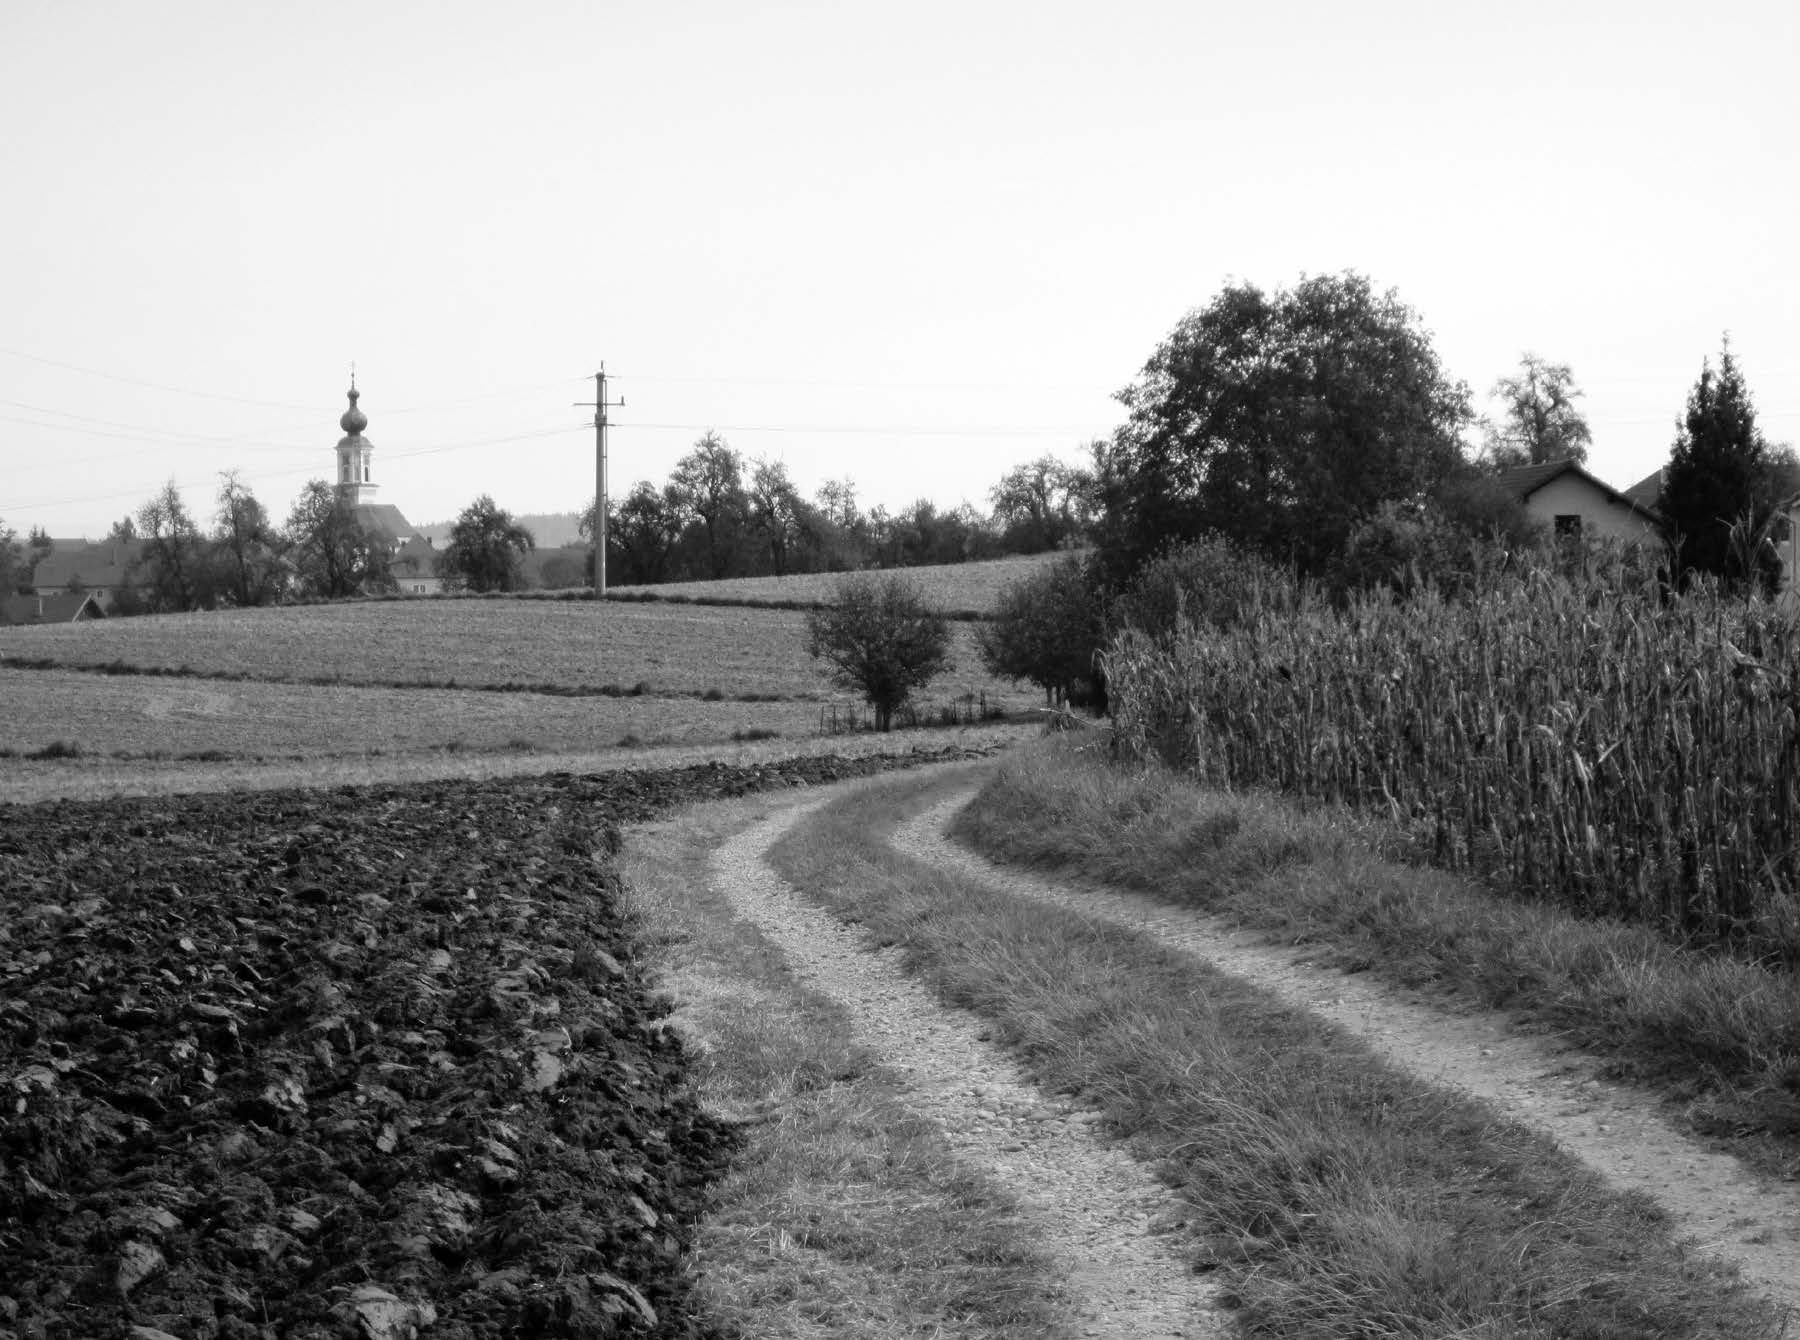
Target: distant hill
{"x": 551, "y": 530}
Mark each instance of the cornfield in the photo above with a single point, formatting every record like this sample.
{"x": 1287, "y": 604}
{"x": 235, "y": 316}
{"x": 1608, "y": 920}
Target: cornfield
{"x": 1573, "y": 737}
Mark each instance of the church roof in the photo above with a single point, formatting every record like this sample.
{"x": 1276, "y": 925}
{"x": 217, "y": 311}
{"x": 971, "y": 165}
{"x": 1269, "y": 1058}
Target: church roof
{"x": 385, "y": 519}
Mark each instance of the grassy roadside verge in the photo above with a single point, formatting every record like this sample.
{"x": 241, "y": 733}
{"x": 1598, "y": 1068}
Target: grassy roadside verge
{"x": 844, "y": 1214}
{"x": 1335, "y": 1196}
{"x": 1718, "y": 1036}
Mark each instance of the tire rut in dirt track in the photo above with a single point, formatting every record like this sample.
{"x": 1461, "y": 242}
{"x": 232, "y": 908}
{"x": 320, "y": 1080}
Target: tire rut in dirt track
{"x": 1731, "y": 1212}
{"x": 1091, "y": 1205}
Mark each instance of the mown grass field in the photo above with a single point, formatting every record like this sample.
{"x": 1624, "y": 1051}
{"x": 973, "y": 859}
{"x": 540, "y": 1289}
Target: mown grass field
{"x": 399, "y": 679}
{"x": 152, "y": 717}
{"x": 556, "y": 645}
{"x": 955, "y": 587}
{"x": 565, "y": 645}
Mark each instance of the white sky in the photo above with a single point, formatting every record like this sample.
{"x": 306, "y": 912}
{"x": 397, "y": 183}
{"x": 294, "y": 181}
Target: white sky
{"x": 911, "y": 244}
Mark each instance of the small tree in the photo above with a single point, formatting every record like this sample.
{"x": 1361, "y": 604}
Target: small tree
{"x": 486, "y": 551}
{"x": 246, "y": 547}
{"x": 708, "y": 486}
{"x": 881, "y": 640}
{"x": 777, "y": 512}
{"x": 333, "y": 553}
{"x": 1046, "y": 630}
{"x": 174, "y": 553}
{"x": 11, "y": 561}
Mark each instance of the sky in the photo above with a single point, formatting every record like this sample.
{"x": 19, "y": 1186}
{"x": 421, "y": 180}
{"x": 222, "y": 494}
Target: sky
{"x": 912, "y": 246}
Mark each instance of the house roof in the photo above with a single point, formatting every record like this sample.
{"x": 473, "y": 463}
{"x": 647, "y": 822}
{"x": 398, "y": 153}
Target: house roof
{"x": 106, "y": 564}
{"x": 1647, "y": 492}
{"x": 1524, "y": 480}
{"x": 58, "y": 607}
{"x": 414, "y": 559}
{"x": 385, "y": 519}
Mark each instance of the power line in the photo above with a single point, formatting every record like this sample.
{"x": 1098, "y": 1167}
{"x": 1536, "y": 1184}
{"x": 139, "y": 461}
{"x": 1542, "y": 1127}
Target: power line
{"x": 154, "y": 386}
{"x": 310, "y": 470}
{"x": 1044, "y": 430}
{"x": 872, "y": 385}
{"x": 273, "y": 404}
{"x": 135, "y": 433}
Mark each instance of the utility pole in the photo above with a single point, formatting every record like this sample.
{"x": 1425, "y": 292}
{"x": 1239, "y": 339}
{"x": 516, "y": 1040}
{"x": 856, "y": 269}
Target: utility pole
{"x": 600, "y": 405}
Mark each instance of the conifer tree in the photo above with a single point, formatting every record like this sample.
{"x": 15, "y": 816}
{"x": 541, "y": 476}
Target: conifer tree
{"x": 1722, "y": 490}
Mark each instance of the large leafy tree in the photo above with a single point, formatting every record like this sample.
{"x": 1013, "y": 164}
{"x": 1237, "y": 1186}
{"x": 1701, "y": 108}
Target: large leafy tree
{"x": 708, "y": 482}
{"x": 1042, "y": 504}
{"x": 487, "y": 549}
{"x": 1538, "y": 422}
{"x": 1281, "y": 421}
{"x": 332, "y": 553}
{"x": 1047, "y": 629}
{"x": 246, "y": 546}
{"x": 881, "y": 640}
{"x": 174, "y": 554}
{"x": 1725, "y": 486}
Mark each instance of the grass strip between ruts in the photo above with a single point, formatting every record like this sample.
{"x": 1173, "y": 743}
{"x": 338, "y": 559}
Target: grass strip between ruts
{"x": 844, "y": 1213}
{"x": 1337, "y": 1196}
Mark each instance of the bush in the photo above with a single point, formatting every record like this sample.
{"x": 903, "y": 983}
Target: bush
{"x": 881, "y": 640}
{"x": 1209, "y": 582}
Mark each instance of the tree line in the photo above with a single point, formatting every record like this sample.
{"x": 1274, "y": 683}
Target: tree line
{"x": 1316, "y": 427}
{"x": 1313, "y": 426}
{"x": 719, "y": 515}
{"x": 1313, "y": 429}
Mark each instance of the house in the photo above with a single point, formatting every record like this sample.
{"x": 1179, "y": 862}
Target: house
{"x": 103, "y": 570}
{"x": 1648, "y": 492}
{"x": 1573, "y": 502}
{"x": 413, "y": 566}
{"x": 55, "y": 607}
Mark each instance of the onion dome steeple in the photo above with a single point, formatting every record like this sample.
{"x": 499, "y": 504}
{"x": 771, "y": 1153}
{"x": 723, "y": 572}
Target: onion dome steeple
{"x": 354, "y": 452}
{"x": 354, "y": 420}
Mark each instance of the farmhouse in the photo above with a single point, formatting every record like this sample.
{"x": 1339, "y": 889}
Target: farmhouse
{"x": 1574, "y": 503}
{"x": 53, "y": 607}
{"x": 103, "y": 570}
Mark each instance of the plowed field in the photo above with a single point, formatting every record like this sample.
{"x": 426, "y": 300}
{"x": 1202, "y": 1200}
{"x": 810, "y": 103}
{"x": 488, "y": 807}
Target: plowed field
{"x": 362, "y": 1063}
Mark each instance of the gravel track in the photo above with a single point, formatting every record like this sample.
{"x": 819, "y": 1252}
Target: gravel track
{"x": 1093, "y": 1207}
{"x": 1727, "y": 1209}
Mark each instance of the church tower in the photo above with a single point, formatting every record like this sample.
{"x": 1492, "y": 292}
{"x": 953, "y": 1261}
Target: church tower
{"x": 353, "y": 453}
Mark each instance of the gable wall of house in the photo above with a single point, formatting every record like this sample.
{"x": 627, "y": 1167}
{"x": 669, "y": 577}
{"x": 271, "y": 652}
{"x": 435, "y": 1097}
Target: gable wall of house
{"x": 1570, "y": 495}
